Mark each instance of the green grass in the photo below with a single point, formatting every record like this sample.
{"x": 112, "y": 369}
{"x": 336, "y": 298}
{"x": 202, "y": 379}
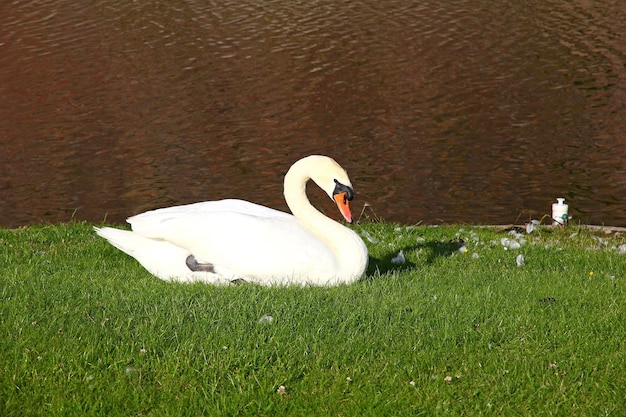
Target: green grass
{"x": 86, "y": 331}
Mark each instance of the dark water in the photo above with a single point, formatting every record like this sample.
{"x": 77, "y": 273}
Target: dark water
{"x": 441, "y": 111}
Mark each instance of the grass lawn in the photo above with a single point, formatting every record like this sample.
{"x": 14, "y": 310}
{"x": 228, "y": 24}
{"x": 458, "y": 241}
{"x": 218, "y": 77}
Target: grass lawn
{"x": 458, "y": 329}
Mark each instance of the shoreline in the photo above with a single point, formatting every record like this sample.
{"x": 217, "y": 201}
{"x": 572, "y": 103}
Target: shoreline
{"x": 607, "y": 229}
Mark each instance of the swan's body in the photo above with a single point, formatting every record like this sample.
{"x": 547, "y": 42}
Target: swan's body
{"x": 222, "y": 241}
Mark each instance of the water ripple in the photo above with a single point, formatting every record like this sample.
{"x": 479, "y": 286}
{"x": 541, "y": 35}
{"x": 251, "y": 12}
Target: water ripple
{"x": 442, "y": 111}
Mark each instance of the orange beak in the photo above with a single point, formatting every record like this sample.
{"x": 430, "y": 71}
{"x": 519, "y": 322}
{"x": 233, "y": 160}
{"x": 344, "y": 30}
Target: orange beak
{"x": 342, "y": 203}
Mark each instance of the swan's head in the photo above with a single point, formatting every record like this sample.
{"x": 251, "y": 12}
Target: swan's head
{"x": 331, "y": 178}
{"x": 342, "y": 193}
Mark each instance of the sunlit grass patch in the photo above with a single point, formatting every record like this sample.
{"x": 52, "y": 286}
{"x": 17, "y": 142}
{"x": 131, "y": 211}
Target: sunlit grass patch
{"x": 457, "y": 327}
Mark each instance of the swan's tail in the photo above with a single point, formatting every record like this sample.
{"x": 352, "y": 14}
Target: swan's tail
{"x": 161, "y": 258}
{"x": 124, "y": 240}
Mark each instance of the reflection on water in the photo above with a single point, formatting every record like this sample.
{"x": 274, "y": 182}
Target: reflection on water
{"x": 440, "y": 111}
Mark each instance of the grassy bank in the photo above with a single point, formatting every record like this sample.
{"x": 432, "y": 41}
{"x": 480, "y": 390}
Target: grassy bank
{"x": 458, "y": 329}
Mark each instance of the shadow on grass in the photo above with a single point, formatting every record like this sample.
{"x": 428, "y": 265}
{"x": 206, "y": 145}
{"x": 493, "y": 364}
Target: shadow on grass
{"x": 430, "y": 252}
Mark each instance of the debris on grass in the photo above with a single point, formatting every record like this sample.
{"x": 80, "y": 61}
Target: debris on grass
{"x": 266, "y": 319}
{"x": 511, "y": 243}
{"x": 399, "y": 259}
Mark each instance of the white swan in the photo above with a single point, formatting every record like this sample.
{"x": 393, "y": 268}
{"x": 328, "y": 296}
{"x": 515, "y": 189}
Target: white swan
{"x": 221, "y": 241}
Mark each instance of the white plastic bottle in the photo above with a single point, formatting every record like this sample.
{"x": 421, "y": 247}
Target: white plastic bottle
{"x": 559, "y": 212}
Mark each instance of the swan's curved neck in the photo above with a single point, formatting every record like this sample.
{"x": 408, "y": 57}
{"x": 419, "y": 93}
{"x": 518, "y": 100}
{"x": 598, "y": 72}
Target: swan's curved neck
{"x": 299, "y": 204}
{"x": 344, "y": 242}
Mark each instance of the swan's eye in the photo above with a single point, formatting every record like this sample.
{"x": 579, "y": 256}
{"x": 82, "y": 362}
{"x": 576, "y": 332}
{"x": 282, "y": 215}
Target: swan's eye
{"x": 341, "y": 188}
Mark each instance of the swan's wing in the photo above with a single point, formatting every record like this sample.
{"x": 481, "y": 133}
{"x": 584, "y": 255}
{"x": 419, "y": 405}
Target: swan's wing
{"x": 205, "y": 207}
{"x": 242, "y": 244}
